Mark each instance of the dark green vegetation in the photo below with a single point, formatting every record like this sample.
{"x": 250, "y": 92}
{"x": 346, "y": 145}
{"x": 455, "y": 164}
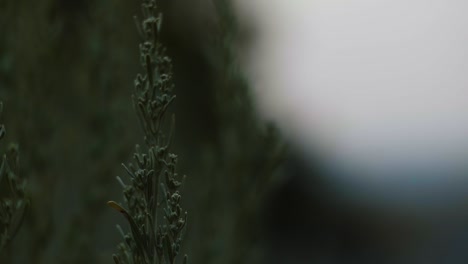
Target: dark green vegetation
{"x": 13, "y": 201}
{"x": 241, "y": 163}
{"x": 65, "y": 76}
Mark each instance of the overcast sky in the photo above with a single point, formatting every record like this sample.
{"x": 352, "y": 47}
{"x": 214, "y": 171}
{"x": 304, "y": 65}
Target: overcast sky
{"x": 382, "y": 84}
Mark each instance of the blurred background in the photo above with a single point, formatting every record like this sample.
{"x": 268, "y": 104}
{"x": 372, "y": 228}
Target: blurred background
{"x": 309, "y": 131}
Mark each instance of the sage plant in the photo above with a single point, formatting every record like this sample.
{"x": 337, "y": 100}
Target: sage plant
{"x": 152, "y": 199}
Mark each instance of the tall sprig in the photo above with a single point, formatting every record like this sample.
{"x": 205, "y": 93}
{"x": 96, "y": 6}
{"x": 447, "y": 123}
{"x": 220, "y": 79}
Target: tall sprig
{"x": 156, "y": 218}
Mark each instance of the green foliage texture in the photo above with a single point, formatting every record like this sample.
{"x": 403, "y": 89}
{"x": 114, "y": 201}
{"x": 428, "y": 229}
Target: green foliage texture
{"x": 65, "y": 72}
{"x": 14, "y": 200}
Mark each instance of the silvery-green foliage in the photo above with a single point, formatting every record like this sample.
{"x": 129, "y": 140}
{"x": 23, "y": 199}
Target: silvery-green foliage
{"x": 13, "y": 199}
{"x": 152, "y": 198}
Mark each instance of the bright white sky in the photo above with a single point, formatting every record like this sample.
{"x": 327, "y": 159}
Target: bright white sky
{"x": 378, "y": 83}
